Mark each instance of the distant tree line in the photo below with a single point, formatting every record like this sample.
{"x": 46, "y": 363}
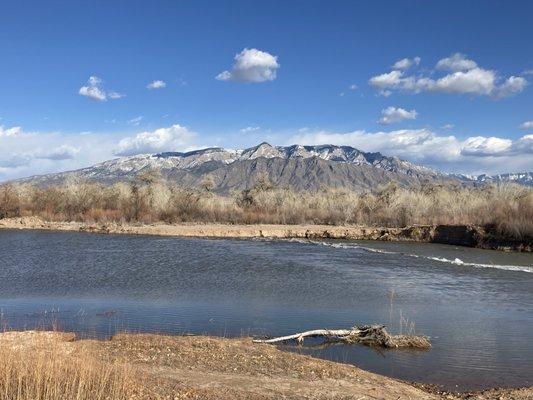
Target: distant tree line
{"x": 150, "y": 198}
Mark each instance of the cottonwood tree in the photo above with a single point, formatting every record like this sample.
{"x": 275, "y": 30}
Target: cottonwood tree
{"x": 9, "y": 201}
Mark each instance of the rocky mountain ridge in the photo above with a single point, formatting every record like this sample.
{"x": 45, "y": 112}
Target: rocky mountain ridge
{"x": 298, "y": 167}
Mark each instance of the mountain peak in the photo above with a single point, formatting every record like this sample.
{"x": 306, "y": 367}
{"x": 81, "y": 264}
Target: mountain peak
{"x": 348, "y": 167}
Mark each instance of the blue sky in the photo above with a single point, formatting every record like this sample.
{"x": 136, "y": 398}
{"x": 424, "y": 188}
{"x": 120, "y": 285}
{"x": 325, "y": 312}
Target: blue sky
{"x": 306, "y": 71}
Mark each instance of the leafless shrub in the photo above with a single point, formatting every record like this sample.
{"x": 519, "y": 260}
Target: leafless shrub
{"x": 507, "y": 209}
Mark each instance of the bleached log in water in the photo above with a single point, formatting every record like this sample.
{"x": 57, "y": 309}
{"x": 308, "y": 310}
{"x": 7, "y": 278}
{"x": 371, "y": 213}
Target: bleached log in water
{"x": 299, "y": 337}
{"x": 371, "y": 335}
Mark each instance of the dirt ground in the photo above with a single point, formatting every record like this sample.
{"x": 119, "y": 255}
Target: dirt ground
{"x": 199, "y": 367}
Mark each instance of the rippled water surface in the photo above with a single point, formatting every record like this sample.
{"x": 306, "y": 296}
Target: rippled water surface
{"x": 476, "y": 305}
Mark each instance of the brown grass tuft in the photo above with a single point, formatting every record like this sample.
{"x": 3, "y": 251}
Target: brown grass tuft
{"x": 40, "y": 369}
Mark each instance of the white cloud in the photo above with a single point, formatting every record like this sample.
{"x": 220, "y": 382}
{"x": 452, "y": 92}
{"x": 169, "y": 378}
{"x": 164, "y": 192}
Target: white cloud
{"x": 136, "y": 121}
{"x": 251, "y": 65}
{"x": 391, "y": 79}
{"x": 115, "y": 95}
{"x": 249, "y": 129}
{"x": 406, "y": 63}
{"x": 94, "y": 90}
{"x": 485, "y": 146}
{"x": 474, "y": 81}
{"x": 417, "y": 144}
{"x": 526, "y": 125}
{"x": 62, "y": 152}
{"x": 447, "y": 152}
{"x": 524, "y": 145}
{"x": 156, "y": 85}
{"x": 224, "y": 76}
{"x": 456, "y": 62}
{"x": 30, "y": 153}
{"x": 512, "y": 85}
{"x": 353, "y": 87}
{"x": 173, "y": 138}
{"x": 10, "y": 132}
{"x": 463, "y": 77}
{"x": 392, "y": 115}
{"x": 447, "y": 126}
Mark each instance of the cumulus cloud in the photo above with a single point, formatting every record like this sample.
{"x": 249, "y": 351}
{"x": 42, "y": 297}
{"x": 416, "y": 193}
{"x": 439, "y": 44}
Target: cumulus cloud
{"x": 462, "y": 76}
{"x": 456, "y": 62}
{"x": 526, "y": 125}
{"x": 512, "y": 85}
{"x": 156, "y": 85}
{"x": 10, "y": 132}
{"x": 173, "y": 138}
{"x": 353, "y": 87}
{"x": 391, "y": 115}
{"x": 406, "y": 63}
{"x": 251, "y": 65}
{"x": 447, "y": 152}
{"x": 485, "y": 146}
{"x": 94, "y": 90}
{"x": 524, "y": 145}
{"x": 474, "y": 81}
{"x": 29, "y": 153}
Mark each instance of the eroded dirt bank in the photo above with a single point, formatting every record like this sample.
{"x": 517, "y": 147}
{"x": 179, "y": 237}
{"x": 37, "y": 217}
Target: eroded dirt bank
{"x": 459, "y": 235}
{"x": 199, "y": 367}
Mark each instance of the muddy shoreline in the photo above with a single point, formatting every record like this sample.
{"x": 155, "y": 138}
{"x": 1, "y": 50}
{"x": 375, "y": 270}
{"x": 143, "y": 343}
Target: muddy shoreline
{"x": 457, "y": 235}
{"x": 204, "y": 367}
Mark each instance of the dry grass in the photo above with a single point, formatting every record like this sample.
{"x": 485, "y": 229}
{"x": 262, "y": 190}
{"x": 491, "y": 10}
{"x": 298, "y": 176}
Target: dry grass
{"x": 506, "y": 209}
{"x": 42, "y": 370}
{"x": 47, "y": 366}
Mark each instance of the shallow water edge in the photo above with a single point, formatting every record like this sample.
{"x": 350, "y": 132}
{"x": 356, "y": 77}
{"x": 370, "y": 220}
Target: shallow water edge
{"x": 458, "y": 235}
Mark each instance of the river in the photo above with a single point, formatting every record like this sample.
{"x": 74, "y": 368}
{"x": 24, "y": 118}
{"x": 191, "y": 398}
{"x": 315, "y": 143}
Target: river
{"x": 475, "y": 305}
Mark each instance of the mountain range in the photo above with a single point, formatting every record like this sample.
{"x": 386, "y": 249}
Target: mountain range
{"x": 297, "y": 167}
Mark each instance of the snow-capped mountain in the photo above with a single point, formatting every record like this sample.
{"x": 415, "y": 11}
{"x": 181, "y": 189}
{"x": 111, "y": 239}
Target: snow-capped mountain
{"x": 193, "y": 159}
{"x": 301, "y": 167}
{"x": 522, "y": 178}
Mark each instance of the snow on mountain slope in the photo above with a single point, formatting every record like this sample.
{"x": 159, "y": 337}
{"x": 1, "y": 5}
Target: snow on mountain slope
{"x": 189, "y": 160}
{"x": 522, "y": 178}
{"x": 295, "y": 166}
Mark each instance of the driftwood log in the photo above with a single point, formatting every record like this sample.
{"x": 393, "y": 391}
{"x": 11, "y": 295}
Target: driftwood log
{"x": 370, "y": 335}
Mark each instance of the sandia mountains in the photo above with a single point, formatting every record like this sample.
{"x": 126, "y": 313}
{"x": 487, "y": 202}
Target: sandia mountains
{"x": 297, "y": 167}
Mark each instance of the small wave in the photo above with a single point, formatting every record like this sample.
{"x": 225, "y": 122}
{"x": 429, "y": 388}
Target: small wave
{"x": 341, "y": 246}
{"x": 455, "y": 261}
{"x": 458, "y": 261}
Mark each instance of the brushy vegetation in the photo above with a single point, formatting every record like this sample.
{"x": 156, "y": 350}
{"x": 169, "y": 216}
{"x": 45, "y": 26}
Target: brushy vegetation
{"x": 507, "y": 208}
{"x": 43, "y": 371}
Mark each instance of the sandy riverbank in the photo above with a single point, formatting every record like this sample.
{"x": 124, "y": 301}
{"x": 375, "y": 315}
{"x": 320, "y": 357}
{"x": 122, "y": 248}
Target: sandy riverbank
{"x": 459, "y": 235}
{"x": 199, "y": 367}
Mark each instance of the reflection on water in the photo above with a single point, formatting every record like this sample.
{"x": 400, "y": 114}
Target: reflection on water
{"x": 479, "y": 316}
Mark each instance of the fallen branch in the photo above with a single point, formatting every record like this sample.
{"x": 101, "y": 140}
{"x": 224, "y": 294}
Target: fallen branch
{"x": 370, "y": 335}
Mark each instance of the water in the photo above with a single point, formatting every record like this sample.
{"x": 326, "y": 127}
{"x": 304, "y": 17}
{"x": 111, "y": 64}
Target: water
{"x": 476, "y": 305}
